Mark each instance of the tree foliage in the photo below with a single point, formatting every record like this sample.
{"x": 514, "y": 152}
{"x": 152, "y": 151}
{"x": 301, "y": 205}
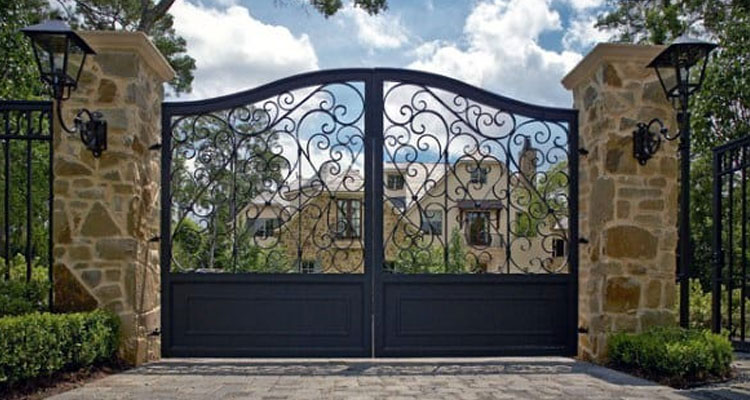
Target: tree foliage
{"x": 19, "y": 78}
{"x": 721, "y": 109}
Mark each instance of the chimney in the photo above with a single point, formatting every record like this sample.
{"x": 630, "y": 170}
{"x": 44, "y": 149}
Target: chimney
{"x": 527, "y": 159}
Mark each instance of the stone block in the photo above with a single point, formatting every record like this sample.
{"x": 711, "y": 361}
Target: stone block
{"x": 69, "y": 293}
{"x": 622, "y": 294}
{"x": 107, "y": 91}
{"x": 117, "y": 249}
{"x": 628, "y": 241}
{"x": 118, "y": 64}
{"x": 99, "y": 223}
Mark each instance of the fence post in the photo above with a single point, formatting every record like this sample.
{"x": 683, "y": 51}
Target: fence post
{"x": 628, "y": 212}
{"x": 106, "y": 209}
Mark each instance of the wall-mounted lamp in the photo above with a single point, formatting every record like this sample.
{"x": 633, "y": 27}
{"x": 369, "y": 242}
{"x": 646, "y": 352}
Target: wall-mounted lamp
{"x": 681, "y": 68}
{"x": 60, "y": 55}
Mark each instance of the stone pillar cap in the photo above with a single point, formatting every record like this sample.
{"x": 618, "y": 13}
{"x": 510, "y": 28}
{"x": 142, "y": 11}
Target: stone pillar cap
{"x": 609, "y": 52}
{"x": 132, "y": 41}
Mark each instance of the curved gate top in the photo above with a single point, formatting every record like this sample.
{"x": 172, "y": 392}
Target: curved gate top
{"x": 368, "y": 212}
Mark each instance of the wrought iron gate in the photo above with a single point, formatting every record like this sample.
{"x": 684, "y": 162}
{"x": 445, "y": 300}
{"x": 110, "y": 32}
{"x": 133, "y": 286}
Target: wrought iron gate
{"x": 368, "y": 212}
{"x": 730, "y": 206}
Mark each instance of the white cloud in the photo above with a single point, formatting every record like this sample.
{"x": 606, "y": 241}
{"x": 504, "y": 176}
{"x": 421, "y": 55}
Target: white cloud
{"x": 381, "y": 31}
{"x": 581, "y": 34}
{"x": 585, "y": 4}
{"x": 234, "y": 51}
{"x": 502, "y": 52}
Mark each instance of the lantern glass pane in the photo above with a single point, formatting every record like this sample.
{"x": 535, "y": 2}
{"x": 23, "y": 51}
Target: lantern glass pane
{"x": 45, "y": 59}
{"x": 669, "y": 80}
{"x": 76, "y": 58}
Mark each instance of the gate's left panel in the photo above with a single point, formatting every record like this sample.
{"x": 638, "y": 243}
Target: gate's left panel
{"x": 262, "y": 223}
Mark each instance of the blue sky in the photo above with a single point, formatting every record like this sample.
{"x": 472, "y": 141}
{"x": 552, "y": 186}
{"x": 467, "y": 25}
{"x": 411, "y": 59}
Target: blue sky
{"x": 517, "y": 48}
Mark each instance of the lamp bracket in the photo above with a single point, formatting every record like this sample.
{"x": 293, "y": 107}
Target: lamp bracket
{"x": 90, "y": 126}
{"x": 647, "y": 138}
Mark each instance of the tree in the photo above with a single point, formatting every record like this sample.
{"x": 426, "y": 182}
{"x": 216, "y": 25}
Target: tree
{"x": 331, "y": 7}
{"x": 721, "y": 109}
{"x": 19, "y": 78}
{"x": 144, "y": 16}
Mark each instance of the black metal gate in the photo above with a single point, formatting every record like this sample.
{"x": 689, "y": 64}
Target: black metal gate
{"x": 730, "y": 207}
{"x": 368, "y": 212}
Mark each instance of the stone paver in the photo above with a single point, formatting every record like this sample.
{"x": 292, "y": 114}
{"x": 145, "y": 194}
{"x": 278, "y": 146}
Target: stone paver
{"x": 392, "y": 379}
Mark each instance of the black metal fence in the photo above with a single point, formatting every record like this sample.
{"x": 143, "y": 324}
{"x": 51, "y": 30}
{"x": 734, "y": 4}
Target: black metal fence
{"x": 26, "y": 179}
{"x": 730, "y": 204}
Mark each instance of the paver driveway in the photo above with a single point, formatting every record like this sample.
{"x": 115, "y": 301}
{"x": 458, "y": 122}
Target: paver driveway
{"x": 393, "y": 379}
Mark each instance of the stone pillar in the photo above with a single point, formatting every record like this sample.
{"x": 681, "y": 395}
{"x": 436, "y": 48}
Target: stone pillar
{"x": 107, "y": 209}
{"x": 628, "y": 212}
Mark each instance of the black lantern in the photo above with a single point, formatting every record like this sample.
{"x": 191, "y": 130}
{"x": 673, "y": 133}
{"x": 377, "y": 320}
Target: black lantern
{"x": 60, "y": 55}
{"x": 681, "y": 68}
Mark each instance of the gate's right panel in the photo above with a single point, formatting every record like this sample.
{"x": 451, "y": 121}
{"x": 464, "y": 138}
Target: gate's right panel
{"x": 479, "y": 212}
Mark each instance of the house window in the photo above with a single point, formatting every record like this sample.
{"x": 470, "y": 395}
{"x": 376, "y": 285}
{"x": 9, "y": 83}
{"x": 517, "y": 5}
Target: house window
{"x": 264, "y": 227}
{"x": 349, "y": 218}
{"x": 432, "y": 222}
{"x": 478, "y": 228}
{"x": 309, "y": 267}
{"x": 395, "y": 182}
{"x": 479, "y": 175}
{"x": 558, "y": 248}
{"x": 399, "y": 202}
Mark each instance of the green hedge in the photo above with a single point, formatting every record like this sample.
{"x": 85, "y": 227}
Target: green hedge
{"x": 19, "y": 297}
{"x": 674, "y": 356}
{"x": 36, "y": 345}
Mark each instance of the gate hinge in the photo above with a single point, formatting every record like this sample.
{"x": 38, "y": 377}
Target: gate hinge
{"x": 583, "y": 241}
{"x": 155, "y": 332}
{"x": 155, "y": 239}
{"x": 583, "y": 151}
{"x": 155, "y": 146}
{"x": 583, "y": 330}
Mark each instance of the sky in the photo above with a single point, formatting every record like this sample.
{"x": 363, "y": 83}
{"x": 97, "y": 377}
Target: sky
{"x": 517, "y": 48}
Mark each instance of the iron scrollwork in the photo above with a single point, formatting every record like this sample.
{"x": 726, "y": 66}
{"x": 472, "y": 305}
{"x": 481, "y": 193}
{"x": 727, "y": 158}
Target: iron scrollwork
{"x": 255, "y": 187}
{"x": 498, "y": 179}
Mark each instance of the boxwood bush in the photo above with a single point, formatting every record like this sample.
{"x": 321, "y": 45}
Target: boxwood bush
{"x": 38, "y": 345}
{"x": 19, "y": 297}
{"x": 673, "y": 356}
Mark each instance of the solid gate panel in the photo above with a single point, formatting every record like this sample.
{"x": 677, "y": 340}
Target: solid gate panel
{"x": 476, "y": 318}
{"x": 246, "y": 318}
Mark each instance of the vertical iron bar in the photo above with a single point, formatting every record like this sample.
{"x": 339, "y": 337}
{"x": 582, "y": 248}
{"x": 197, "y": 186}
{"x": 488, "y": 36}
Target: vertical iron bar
{"x": 730, "y": 226}
{"x": 374, "y": 206}
{"x": 573, "y": 229}
{"x": 50, "y": 207}
{"x": 718, "y": 258}
{"x": 684, "y": 228}
{"x": 6, "y": 212}
{"x": 446, "y": 239}
{"x": 233, "y": 201}
{"x": 166, "y": 231}
{"x": 28, "y": 197}
{"x": 6, "y": 149}
{"x": 743, "y": 246}
{"x": 508, "y": 163}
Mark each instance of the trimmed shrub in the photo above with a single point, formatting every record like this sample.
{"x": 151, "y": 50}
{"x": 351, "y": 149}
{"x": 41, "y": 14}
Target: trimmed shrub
{"x": 37, "y": 345}
{"x": 674, "y": 356}
{"x": 19, "y": 297}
